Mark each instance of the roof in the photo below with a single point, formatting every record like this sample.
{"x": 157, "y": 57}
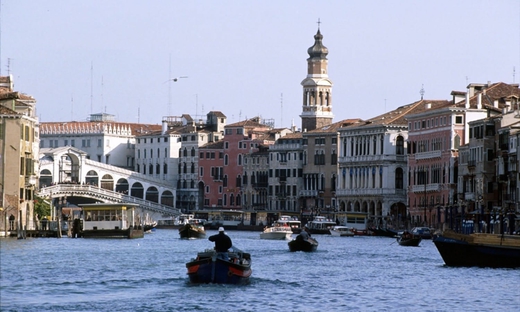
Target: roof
{"x": 95, "y": 127}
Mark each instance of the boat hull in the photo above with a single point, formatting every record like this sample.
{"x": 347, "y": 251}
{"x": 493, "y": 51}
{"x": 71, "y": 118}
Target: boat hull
{"x": 276, "y": 235}
{"x": 309, "y": 245}
{"x": 480, "y": 250}
{"x": 190, "y": 231}
{"x": 341, "y": 231}
{"x": 412, "y": 242}
{"x": 114, "y": 233}
{"x": 210, "y": 268}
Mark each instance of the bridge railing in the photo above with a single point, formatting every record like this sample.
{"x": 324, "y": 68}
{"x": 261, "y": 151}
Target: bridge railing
{"x": 104, "y": 195}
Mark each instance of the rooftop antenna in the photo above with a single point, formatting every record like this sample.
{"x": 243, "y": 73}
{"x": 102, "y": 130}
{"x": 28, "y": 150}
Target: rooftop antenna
{"x": 281, "y": 110}
{"x": 91, "y": 86}
{"x": 138, "y": 114}
{"x": 9, "y": 66}
{"x": 514, "y": 71}
{"x": 422, "y": 91}
{"x": 467, "y": 79}
{"x": 102, "y": 87}
{"x": 196, "y": 106}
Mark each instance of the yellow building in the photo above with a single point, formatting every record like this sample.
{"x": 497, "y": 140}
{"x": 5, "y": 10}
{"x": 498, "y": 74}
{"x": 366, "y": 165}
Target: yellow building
{"x": 19, "y": 149}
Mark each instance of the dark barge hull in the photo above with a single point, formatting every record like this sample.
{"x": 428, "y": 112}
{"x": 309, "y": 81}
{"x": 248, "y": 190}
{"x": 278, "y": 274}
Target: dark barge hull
{"x": 481, "y": 250}
{"x": 127, "y": 233}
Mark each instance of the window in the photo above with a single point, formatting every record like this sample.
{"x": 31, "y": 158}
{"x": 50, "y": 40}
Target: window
{"x": 458, "y": 119}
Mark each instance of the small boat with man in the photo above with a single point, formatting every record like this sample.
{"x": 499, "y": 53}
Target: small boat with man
{"x": 408, "y": 239}
{"x": 193, "y": 229}
{"x": 303, "y": 242}
{"x": 224, "y": 264}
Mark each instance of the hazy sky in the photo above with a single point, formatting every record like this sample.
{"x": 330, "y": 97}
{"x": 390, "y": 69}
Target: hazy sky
{"x": 248, "y": 58}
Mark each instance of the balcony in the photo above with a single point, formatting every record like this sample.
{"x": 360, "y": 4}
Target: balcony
{"x": 432, "y": 187}
{"x": 428, "y": 155}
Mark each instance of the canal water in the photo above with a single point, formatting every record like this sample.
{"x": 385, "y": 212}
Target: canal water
{"x": 149, "y": 274}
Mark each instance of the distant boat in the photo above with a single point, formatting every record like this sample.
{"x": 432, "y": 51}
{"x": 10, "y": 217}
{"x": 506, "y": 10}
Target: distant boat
{"x": 423, "y": 232}
{"x": 293, "y": 222}
{"x": 479, "y": 249}
{"x": 277, "y": 231}
{"x": 320, "y": 225}
{"x": 221, "y": 268}
{"x": 299, "y": 244}
{"x": 408, "y": 239}
{"x": 386, "y": 232}
{"x": 192, "y": 229}
{"x": 341, "y": 230}
{"x": 150, "y": 226}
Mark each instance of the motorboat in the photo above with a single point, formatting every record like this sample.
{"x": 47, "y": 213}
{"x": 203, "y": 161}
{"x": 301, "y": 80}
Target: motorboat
{"x": 408, "y": 239}
{"x": 192, "y": 229}
{"x": 277, "y": 231}
{"x": 293, "y": 222}
{"x": 232, "y": 267}
{"x": 320, "y": 225}
{"x": 341, "y": 230}
{"x": 479, "y": 249}
{"x": 300, "y": 244}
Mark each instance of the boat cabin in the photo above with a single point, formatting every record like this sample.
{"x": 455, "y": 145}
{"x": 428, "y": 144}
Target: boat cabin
{"x": 106, "y": 216}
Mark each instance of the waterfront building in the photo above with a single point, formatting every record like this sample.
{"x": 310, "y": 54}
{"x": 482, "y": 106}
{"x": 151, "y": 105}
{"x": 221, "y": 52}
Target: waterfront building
{"x": 103, "y": 138}
{"x": 19, "y": 146}
{"x": 221, "y": 163}
{"x": 318, "y": 195}
{"x": 285, "y": 176}
{"x": 171, "y": 154}
{"x": 255, "y": 185}
{"x": 438, "y": 182}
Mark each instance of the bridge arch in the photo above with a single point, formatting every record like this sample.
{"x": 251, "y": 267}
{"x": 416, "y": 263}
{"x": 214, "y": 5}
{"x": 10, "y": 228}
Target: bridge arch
{"x": 92, "y": 178}
{"x": 152, "y": 194}
{"x": 45, "y": 178}
{"x": 167, "y": 198}
{"x": 107, "y": 182}
{"x": 122, "y": 186}
{"x": 137, "y": 190}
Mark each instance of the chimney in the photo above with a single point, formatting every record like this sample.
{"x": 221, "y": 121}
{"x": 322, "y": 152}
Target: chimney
{"x": 467, "y": 99}
{"x": 479, "y": 101}
{"x": 164, "y": 127}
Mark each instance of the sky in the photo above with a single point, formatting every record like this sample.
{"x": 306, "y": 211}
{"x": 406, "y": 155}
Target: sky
{"x": 248, "y": 58}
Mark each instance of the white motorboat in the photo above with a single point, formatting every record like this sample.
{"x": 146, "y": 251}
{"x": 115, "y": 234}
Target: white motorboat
{"x": 320, "y": 225}
{"x": 277, "y": 231}
{"x": 292, "y": 222}
{"x": 341, "y": 230}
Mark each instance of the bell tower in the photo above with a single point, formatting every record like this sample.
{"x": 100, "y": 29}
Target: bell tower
{"x": 317, "y": 88}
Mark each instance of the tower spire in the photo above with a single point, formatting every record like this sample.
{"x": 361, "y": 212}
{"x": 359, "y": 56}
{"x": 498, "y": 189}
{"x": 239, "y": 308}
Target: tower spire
{"x": 317, "y": 87}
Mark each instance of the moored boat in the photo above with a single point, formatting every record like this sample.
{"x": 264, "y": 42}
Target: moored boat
{"x": 408, "y": 239}
{"x": 478, "y": 249}
{"x": 108, "y": 220}
{"x": 320, "y": 225}
{"x": 150, "y": 226}
{"x": 381, "y": 231}
{"x": 277, "y": 231}
{"x": 300, "y": 244}
{"x": 220, "y": 268}
{"x": 423, "y": 232}
{"x": 341, "y": 230}
{"x": 192, "y": 229}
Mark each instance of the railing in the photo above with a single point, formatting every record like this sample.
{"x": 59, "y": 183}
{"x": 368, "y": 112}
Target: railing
{"x": 105, "y": 196}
